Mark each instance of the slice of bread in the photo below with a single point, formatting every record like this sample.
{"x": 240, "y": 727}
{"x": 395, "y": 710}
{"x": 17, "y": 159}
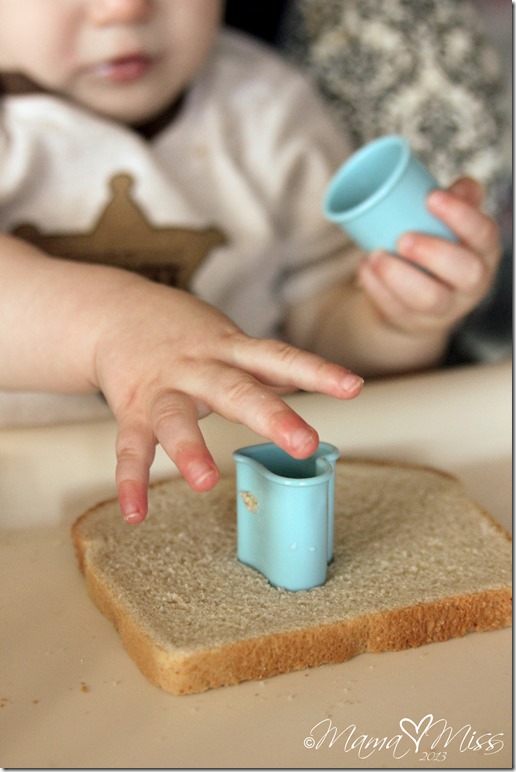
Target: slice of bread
{"x": 415, "y": 561}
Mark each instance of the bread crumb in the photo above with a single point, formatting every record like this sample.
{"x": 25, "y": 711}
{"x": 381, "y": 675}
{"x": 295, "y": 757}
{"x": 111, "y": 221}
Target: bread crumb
{"x": 84, "y": 687}
{"x": 249, "y": 500}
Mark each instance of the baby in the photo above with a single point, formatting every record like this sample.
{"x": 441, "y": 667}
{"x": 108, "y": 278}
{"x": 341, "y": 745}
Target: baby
{"x": 162, "y": 242}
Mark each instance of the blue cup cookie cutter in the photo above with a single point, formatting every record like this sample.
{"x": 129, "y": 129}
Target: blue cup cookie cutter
{"x": 380, "y": 192}
{"x": 285, "y": 513}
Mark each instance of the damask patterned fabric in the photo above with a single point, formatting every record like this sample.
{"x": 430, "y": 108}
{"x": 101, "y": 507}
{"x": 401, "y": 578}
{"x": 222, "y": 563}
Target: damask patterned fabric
{"x": 422, "y": 68}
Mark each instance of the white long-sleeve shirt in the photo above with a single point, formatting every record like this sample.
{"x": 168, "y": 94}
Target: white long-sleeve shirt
{"x": 225, "y": 201}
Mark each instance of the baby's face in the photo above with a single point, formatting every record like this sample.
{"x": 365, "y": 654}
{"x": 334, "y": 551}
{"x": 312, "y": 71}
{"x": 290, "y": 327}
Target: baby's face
{"x": 126, "y": 59}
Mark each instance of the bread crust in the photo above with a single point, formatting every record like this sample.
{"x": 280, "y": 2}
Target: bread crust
{"x": 271, "y": 655}
{"x": 254, "y": 658}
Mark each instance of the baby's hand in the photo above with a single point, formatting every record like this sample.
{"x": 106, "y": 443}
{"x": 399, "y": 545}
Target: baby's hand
{"x": 165, "y": 359}
{"x": 455, "y": 277}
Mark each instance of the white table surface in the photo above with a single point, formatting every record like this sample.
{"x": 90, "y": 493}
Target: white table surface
{"x": 71, "y": 697}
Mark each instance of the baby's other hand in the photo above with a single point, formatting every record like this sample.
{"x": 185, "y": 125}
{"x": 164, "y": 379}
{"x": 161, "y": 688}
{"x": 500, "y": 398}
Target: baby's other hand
{"x": 455, "y": 276}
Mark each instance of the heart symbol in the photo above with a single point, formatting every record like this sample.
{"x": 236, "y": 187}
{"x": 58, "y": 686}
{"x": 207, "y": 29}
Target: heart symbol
{"x": 418, "y": 730}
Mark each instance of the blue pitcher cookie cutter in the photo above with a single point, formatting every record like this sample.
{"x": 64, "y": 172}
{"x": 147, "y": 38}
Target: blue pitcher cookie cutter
{"x": 285, "y": 513}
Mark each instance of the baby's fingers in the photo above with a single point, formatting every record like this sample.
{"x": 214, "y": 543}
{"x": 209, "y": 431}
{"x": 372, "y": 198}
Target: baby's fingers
{"x": 452, "y": 264}
{"x": 135, "y": 448}
{"x": 173, "y": 423}
{"x": 238, "y": 396}
{"x": 402, "y": 293}
{"x": 468, "y": 190}
{"x": 174, "y": 417}
{"x": 280, "y": 364}
{"x": 475, "y": 229}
